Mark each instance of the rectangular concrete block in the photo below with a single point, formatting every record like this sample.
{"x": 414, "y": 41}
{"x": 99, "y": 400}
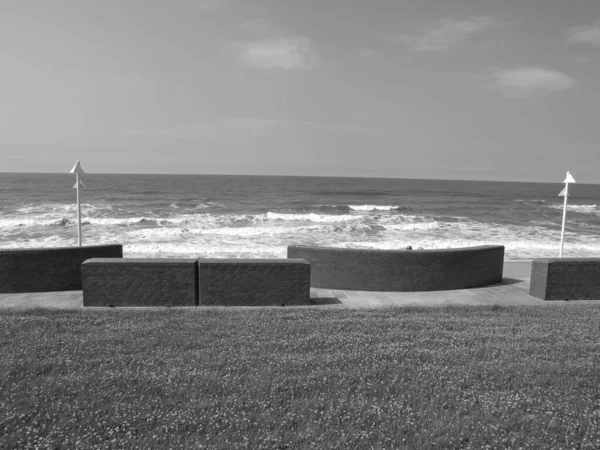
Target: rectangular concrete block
{"x": 254, "y": 282}
{"x": 565, "y": 279}
{"x": 140, "y": 282}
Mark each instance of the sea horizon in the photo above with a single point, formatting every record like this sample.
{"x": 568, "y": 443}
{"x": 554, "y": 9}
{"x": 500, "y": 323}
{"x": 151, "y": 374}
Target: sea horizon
{"x": 302, "y": 176}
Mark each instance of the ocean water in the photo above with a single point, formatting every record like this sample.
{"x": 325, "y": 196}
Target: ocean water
{"x": 256, "y": 216}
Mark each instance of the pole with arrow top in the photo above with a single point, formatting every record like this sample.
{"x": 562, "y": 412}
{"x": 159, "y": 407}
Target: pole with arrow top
{"x": 77, "y": 170}
{"x": 564, "y": 193}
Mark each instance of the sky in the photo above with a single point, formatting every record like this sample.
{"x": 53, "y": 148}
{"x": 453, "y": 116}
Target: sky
{"x": 453, "y": 89}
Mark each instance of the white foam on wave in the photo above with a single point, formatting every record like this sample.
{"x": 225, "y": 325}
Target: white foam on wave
{"x": 48, "y": 208}
{"x": 372, "y": 207}
{"x": 176, "y": 242}
{"x": 326, "y": 218}
{"x": 48, "y": 219}
{"x": 583, "y": 209}
{"x": 11, "y": 222}
{"x": 48, "y": 214}
{"x": 206, "y": 250}
{"x": 514, "y": 249}
{"x": 33, "y": 222}
{"x": 196, "y": 205}
{"x": 530, "y": 201}
{"x": 544, "y": 223}
{"x": 121, "y": 221}
{"x": 166, "y": 233}
{"x": 521, "y": 242}
{"x": 268, "y": 234}
{"x": 47, "y": 242}
{"x": 202, "y": 220}
{"x": 312, "y": 217}
{"x": 413, "y": 226}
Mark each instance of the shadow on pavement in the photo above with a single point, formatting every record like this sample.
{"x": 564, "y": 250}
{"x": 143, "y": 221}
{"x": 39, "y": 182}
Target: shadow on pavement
{"x": 324, "y": 301}
{"x": 512, "y": 281}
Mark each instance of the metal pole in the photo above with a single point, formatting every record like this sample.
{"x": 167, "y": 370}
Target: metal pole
{"x": 78, "y": 211}
{"x": 562, "y": 232}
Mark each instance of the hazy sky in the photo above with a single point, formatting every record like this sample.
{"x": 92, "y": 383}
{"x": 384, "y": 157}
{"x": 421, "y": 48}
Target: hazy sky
{"x": 474, "y": 89}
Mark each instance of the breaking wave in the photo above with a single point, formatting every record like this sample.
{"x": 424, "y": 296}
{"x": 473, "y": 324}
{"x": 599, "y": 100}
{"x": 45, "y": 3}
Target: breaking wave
{"x": 374, "y": 208}
{"x": 582, "y": 209}
{"x": 530, "y": 202}
{"x": 204, "y": 228}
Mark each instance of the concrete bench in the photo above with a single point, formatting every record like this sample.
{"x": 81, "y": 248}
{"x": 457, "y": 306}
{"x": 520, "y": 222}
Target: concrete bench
{"x": 140, "y": 282}
{"x": 402, "y": 270}
{"x": 254, "y": 282}
{"x": 48, "y": 269}
{"x": 565, "y": 279}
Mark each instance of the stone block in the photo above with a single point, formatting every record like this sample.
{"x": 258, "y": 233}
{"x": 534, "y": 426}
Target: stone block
{"x": 140, "y": 282}
{"x": 254, "y": 282}
{"x": 565, "y": 279}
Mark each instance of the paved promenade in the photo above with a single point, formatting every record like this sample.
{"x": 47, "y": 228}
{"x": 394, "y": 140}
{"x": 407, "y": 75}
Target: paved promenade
{"x": 514, "y": 290}
{"x": 510, "y": 292}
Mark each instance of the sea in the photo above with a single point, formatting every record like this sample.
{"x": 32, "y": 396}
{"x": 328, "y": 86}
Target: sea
{"x": 259, "y": 216}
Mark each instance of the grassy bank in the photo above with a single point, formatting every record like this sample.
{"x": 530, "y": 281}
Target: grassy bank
{"x": 522, "y": 377}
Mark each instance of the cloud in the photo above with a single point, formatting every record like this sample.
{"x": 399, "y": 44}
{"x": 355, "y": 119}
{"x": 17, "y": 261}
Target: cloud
{"x": 585, "y": 34}
{"x": 284, "y": 53}
{"x": 443, "y": 34}
{"x": 529, "y": 80}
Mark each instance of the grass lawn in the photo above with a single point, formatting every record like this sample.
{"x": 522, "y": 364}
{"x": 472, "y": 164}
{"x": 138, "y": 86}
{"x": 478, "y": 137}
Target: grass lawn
{"x": 472, "y": 377}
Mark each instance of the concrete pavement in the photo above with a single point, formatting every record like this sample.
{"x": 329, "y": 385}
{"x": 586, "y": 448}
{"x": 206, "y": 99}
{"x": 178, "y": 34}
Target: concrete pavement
{"x": 514, "y": 290}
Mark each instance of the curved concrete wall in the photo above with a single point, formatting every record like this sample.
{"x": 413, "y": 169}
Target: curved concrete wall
{"x": 402, "y": 270}
{"x": 48, "y": 269}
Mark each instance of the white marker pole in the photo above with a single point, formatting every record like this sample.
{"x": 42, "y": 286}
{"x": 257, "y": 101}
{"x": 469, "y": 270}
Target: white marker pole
{"x": 78, "y": 170}
{"x": 79, "y": 211}
{"x": 565, "y": 194}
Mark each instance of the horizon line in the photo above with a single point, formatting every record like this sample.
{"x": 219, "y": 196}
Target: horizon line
{"x": 298, "y": 176}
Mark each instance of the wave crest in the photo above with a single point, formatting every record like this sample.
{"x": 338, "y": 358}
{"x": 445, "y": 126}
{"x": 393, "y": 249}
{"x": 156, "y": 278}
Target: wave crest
{"x": 375, "y": 208}
{"x": 582, "y": 209}
{"x": 530, "y": 201}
